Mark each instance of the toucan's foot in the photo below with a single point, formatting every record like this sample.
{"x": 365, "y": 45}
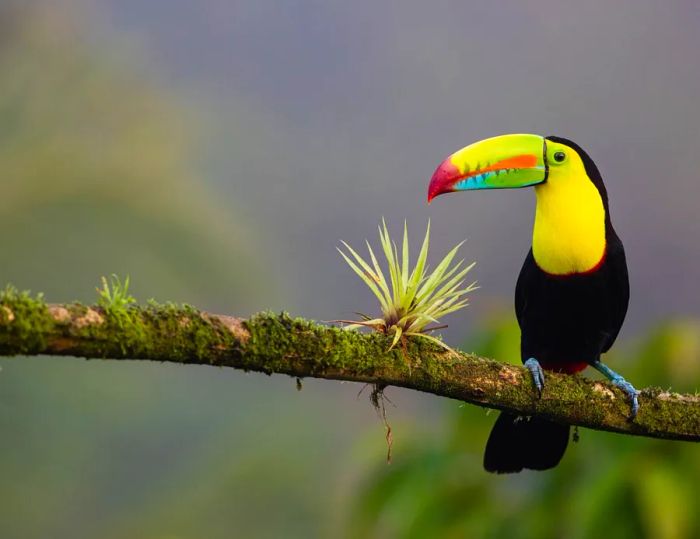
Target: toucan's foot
{"x": 537, "y": 373}
{"x": 624, "y": 385}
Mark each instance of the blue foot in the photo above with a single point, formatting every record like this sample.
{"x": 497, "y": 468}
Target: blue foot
{"x": 537, "y": 373}
{"x": 620, "y": 382}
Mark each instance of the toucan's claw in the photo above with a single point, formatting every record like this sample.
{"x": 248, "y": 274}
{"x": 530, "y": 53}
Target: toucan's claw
{"x": 633, "y": 395}
{"x": 619, "y": 381}
{"x": 537, "y": 373}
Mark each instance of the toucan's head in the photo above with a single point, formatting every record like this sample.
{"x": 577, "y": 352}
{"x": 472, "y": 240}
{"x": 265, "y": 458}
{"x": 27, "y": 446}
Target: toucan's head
{"x": 512, "y": 161}
{"x": 571, "y": 218}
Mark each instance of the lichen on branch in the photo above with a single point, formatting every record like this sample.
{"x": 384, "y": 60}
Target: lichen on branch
{"x": 277, "y": 343}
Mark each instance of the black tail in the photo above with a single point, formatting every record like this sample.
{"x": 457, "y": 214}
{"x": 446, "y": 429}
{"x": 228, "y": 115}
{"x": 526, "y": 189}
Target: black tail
{"x": 523, "y": 442}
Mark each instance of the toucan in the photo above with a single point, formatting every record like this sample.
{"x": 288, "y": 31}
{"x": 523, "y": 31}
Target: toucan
{"x": 572, "y": 293}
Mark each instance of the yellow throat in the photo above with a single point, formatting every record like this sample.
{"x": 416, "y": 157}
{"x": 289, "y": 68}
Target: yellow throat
{"x": 569, "y": 231}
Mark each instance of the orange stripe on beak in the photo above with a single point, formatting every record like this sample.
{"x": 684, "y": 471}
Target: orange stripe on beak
{"x": 519, "y": 161}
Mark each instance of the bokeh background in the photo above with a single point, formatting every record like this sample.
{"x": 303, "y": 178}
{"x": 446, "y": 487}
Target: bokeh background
{"x": 217, "y": 151}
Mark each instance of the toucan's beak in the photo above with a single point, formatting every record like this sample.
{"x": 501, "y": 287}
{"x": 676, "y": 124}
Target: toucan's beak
{"x": 503, "y": 162}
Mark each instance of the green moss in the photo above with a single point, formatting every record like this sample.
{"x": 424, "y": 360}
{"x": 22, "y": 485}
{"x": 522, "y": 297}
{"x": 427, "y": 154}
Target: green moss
{"x": 659, "y": 413}
{"x": 167, "y": 332}
{"x": 171, "y": 332}
{"x": 280, "y": 341}
{"x": 26, "y": 322}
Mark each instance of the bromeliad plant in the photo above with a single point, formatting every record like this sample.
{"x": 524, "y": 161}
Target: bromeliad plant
{"x": 412, "y": 299}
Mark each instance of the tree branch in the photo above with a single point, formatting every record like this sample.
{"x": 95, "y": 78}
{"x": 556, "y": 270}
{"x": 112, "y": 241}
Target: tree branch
{"x": 279, "y": 344}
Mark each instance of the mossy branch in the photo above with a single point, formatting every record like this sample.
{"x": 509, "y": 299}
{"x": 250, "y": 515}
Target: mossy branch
{"x": 273, "y": 343}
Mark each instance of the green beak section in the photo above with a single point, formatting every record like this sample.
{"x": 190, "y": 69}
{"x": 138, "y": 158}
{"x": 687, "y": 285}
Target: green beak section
{"x": 503, "y": 162}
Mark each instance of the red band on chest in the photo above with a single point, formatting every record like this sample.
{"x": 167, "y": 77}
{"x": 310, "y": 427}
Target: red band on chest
{"x": 595, "y": 268}
{"x": 567, "y": 367}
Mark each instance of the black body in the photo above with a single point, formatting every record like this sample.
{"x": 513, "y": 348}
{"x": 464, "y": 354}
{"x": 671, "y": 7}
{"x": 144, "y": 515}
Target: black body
{"x": 572, "y": 319}
{"x": 567, "y": 322}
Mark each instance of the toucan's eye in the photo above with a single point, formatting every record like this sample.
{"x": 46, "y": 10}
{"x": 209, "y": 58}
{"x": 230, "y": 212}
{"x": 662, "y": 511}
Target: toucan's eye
{"x": 559, "y": 157}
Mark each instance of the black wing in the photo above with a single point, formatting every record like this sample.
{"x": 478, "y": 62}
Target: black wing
{"x": 619, "y": 289}
{"x": 524, "y": 286}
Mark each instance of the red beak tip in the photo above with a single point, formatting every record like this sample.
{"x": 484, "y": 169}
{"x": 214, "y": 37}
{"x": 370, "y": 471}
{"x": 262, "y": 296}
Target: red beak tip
{"x": 442, "y": 180}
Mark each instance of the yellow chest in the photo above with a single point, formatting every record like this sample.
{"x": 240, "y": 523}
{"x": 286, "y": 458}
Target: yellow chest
{"x": 569, "y": 230}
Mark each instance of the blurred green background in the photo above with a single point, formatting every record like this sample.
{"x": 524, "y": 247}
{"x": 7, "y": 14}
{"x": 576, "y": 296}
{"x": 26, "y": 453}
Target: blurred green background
{"x": 217, "y": 151}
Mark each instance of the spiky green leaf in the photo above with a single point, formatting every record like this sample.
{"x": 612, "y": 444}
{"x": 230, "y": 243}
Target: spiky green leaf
{"x": 412, "y": 298}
